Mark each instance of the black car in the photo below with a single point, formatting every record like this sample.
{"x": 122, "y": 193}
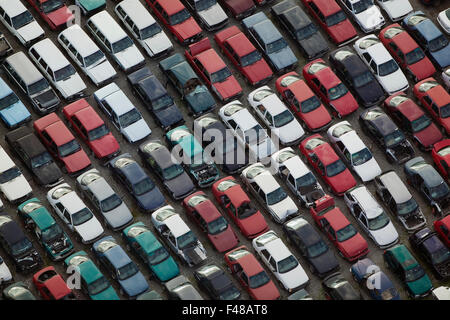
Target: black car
{"x": 17, "y": 245}
{"x": 158, "y": 157}
{"x": 155, "y": 97}
{"x": 338, "y": 288}
{"x": 311, "y": 246}
{"x": 216, "y": 283}
{"x": 34, "y": 155}
{"x": 357, "y": 76}
{"x": 428, "y": 244}
{"x": 300, "y": 27}
{"x": 377, "y": 124}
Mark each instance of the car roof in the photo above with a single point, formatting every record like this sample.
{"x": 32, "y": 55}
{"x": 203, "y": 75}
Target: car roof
{"x": 430, "y": 176}
{"x": 401, "y": 253}
{"x": 117, "y": 256}
{"x": 79, "y": 39}
{"x": 100, "y": 188}
{"x": 31, "y": 145}
{"x": 352, "y": 142}
{"x": 266, "y": 182}
{"x": 59, "y": 133}
{"x": 12, "y": 8}
{"x": 432, "y": 244}
{"x": 23, "y": 66}
{"x": 146, "y": 239}
{"x": 5, "y": 89}
{"x": 272, "y": 103}
{"x": 57, "y": 286}
{"x": 297, "y": 168}
{"x": 42, "y": 218}
{"x": 367, "y": 202}
{"x": 88, "y": 117}
{"x": 384, "y": 124}
{"x": 295, "y": 16}
{"x": 119, "y": 102}
{"x": 336, "y": 219}
{"x": 108, "y": 26}
{"x": 405, "y": 42}
{"x": 240, "y": 44}
{"x": 396, "y": 187}
{"x": 244, "y": 119}
{"x": 250, "y": 264}
{"x": 352, "y": 62}
{"x": 267, "y": 31}
{"x": 327, "y": 7}
{"x": 152, "y": 87}
{"x": 428, "y": 29}
{"x": 6, "y": 161}
{"x": 11, "y": 231}
{"x": 137, "y": 12}
{"x": 172, "y": 6}
{"x": 50, "y": 53}
{"x": 211, "y": 60}
{"x": 163, "y": 157}
{"x": 72, "y": 202}
{"x": 326, "y": 154}
{"x": 378, "y": 52}
{"x": 278, "y": 249}
{"x": 176, "y": 225}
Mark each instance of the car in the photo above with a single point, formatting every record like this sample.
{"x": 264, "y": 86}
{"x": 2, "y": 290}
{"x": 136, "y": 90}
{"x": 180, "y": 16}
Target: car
{"x": 395, "y": 9}
{"x": 371, "y": 217}
{"x": 174, "y": 15}
{"x": 380, "y": 62}
{"x": 274, "y": 113}
{"x": 366, "y": 14}
{"x": 212, "y": 279}
{"x": 118, "y": 264}
{"x": 236, "y": 203}
{"x": 61, "y": 144}
{"x": 18, "y": 246}
{"x": 90, "y": 7}
{"x": 331, "y": 90}
{"x": 297, "y": 176}
{"x": 244, "y": 55}
{"x": 210, "y": 14}
{"x": 35, "y": 156}
{"x": 123, "y": 114}
{"x": 446, "y": 78}
{"x": 156, "y": 98}
{"x": 5, "y": 273}
{"x": 352, "y": 149}
{"x": 141, "y": 241}
{"x": 18, "y": 291}
{"x": 259, "y": 180}
{"x": 441, "y": 158}
{"x": 82, "y": 117}
{"x": 213, "y": 70}
{"x": 12, "y": 110}
{"x": 429, "y": 183}
{"x": 444, "y": 20}
{"x": 400, "y": 260}
{"x": 73, "y": 212}
{"x": 171, "y": 173}
{"x": 349, "y": 242}
{"x": 239, "y": 8}
{"x": 301, "y": 294}
{"x": 300, "y": 27}
{"x": 380, "y": 127}
{"x": 198, "y": 163}
{"x": 336, "y": 287}
{"x": 38, "y": 220}
{"x": 391, "y": 190}
{"x": 180, "y": 238}
{"x": 270, "y": 42}
{"x": 407, "y": 52}
{"x": 137, "y": 182}
{"x": 441, "y": 293}
{"x": 375, "y": 281}
{"x": 303, "y": 102}
{"x": 327, "y": 164}
{"x": 202, "y": 210}
{"x": 55, "y": 12}
{"x": 430, "y": 38}
{"x": 357, "y": 76}
{"x": 5, "y": 47}
{"x": 442, "y": 228}
{"x": 186, "y": 82}
{"x": 180, "y": 288}
{"x": 251, "y": 275}
{"x": 332, "y": 19}
{"x": 96, "y": 286}
{"x": 308, "y": 242}
{"x": 51, "y": 285}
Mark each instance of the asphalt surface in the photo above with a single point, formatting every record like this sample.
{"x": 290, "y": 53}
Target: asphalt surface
{"x": 314, "y": 288}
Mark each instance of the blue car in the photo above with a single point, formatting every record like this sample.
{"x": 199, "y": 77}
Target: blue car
{"x": 12, "y": 111}
{"x": 121, "y": 268}
{"x": 270, "y": 41}
{"x": 137, "y": 182}
{"x": 428, "y": 35}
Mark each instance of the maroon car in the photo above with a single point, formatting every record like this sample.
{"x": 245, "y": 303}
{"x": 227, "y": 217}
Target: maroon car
{"x": 240, "y": 9}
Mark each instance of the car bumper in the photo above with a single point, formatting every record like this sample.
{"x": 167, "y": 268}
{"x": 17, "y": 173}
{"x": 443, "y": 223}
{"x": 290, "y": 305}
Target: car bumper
{"x": 347, "y": 41}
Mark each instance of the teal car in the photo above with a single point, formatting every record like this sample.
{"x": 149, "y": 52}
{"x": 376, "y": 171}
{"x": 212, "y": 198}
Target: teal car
{"x": 145, "y": 245}
{"x": 198, "y": 164}
{"x": 89, "y": 7}
{"x": 93, "y": 282}
{"x": 39, "y": 221}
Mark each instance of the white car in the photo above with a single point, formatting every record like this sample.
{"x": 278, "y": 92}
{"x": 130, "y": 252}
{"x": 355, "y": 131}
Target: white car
{"x": 294, "y": 172}
{"x": 365, "y": 13}
{"x": 381, "y": 63}
{"x": 210, "y": 13}
{"x": 444, "y": 20}
{"x": 441, "y": 293}
{"x": 5, "y": 274}
{"x": 274, "y": 113}
{"x": 247, "y": 130}
{"x": 72, "y": 210}
{"x": 280, "y": 260}
{"x": 371, "y": 217}
{"x": 352, "y": 149}
{"x": 446, "y": 78}
{"x": 396, "y": 9}
{"x": 13, "y": 184}
{"x": 258, "y": 179}
{"x": 178, "y": 235}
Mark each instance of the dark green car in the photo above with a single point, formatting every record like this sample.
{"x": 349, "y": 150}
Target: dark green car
{"x": 89, "y": 7}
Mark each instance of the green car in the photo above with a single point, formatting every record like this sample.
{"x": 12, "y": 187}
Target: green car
{"x": 93, "y": 282}
{"x": 145, "y": 245}
{"x": 401, "y": 261}
{"x": 39, "y": 221}
{"x": 89, "y": 7}
{"x": 18, "y": 291}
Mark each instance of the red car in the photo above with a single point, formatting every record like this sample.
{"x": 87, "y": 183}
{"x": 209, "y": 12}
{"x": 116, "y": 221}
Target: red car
{"x": 210, "y": 66}
{"x": 177, "y": 19}
{"x": 436, "y": 99}
{"x": 442, "y": 227}
{"x": 351, "y": 245}
{"x": 327, "y": 164}
{"x": 91, "y": 128}
{"x": 238, "y": 206}
{"x": 441, "y": 157}
{"x": 332, "y": 19}
{"x": 206, "y": 215}
{"x": 54, "y": 12}
{"x": 326, "y": 84}
{"x": 61, "y": 143}
{"x": 303, "y": 102}
{"x": 413, "y": 120}
{"x": 251, "y": 274}
{"x": 240, "y": 9}
{"x": 243, "y": 54}
{"x": 51, "y": 285}
{"x": 406, "y": 52}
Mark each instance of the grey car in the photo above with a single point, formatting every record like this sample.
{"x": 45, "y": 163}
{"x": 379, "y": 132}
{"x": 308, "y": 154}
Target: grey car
{"x": 180, "y": 288}
{"x": 209, "y": 13}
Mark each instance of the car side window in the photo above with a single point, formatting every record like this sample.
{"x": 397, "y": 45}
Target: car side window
{"x": 366, "y": 57}
{"x": 262, "y": 195}
{"x": 67, "y": 216}
{"x": 273, "y": 263}
{"x": 232, "y": 123}
{"x": 321, "y": 167}
{"x": 265, "y": 253}
{"x": 427, "y": 100}
{"x": 373, "y": 66}
{"x": 316, "y": 82}
{"x": 291, "y": 180}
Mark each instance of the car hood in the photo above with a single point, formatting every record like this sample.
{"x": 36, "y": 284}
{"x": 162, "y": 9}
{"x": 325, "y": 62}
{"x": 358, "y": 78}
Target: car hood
{"x": 325, "y": 262}
{"x": 214, "y": 15}
{"x": 423, "y": 68}
{"x": 228, "y": 88}
{"x": 317, "y": 118}
{"x": 180, "y": 185}
{"x": 294, "y": 278}
{"x": 15, "y": 114}
{"x": 200, "y": 100}
{"x": 283, "y": 58}
{"x": 60, "y": 16}
{"x": 187, "y": 29}
{"x": 134, "y": 285}
{"x": 394, "y": 81}
{"x": 442, "y": 56}
{"x": 71, "y": 86}
{"x": 119, "y": 216}
{"x": 151, "y": 200}
{"x": 158, "y": 43}
{"x": 30, "y": 31}
{"x": 420, "y": 286}
{"x": 137, "y": 131}
{"x": 108, "y": 294}
{"x": 225, "y": 240}
{"x": 76, "y": 161}
{"x": 16, "y": 188}
{"x": 284, "y": 208}
{"x": 89, "y": 230}
{"x": 105, "y": 146}
{"x": 368, "y": 170}
{"x": 370, "y": 93}
{"x": 342, "y": 31}
{"x": 370, "y": 18}
{"x": 166, "y": 270}
{"x": 385, "y": 236}
{"x": 314, "y": 45}
{"x": 129, "y": 57}
{"x": 429, "y": 135}
{"x": 258, "y": 71}
{"x": 48, "y": 174}
{"x": 102, "y": 71}
{"x": 169, "y": 116}
{"x": 290, "y": 132}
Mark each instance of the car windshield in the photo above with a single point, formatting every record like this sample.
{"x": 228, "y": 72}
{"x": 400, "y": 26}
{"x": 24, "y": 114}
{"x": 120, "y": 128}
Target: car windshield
{"x": 258, "y": 280}
{"x": 8, "y": 101}
{"x": 420, "y": 123}
{"x": 414, "y": 274}
{"x": 230, "y": 293}
{"x": 187, "y": 240}
{"x": 22, "y": 19}
{"x": 245, "y": 210}
{"x": 394, "y": 138}
{"x": 379, "y": 222}
{"x": 69, "y": 148}
{"x": 276, "y": 46}
{"x": 93, "y": 58}
{"x": 335, "y": 18}
{"x": 21, "y": 247}
{"x": 306, "y": 180}
{"x": 387, "y": 68}
{"x": 361, "y": 157}
{"x": 287, "y": 264}
{"x": 172, "y": 171}
{"x": 41, "y": 159}
{"x": 337, "y": 92}
{"x": 97, "y": 286}
{"x": 51, "y": 5}
{"x": 414, "y": 56}
{"x": 204, "y": 4}
{"x": 98, "y": 132}
{"x": 150, "y": 31}
{"x": 122, "y": 44}
{"x": 9, "y": 175}
{"x": 38, "y": 86}
{"x": 276, "y": 196}
{"x": 127, "y": 271}
{"x": 251, "y": 58}
{"x": 217, "y": 226}
{"x": 317, "y": 249}
{"x": 438, "y": 43}
{"x": 346, "y": 233}
{"x": 162, "y": 102}
{"x": 310, "y": 104}
{"x": 363, "y": 79}
{"x": 143, "y": 186}
{"x": 221, "y": 75}
{"x": 306, "y": 32}
{"x": 81, "y": 216}
{"x": 51, "y": 233}
{"x": 362, "y": 5}
{"x": 64, "y": 73}
{"x": 110, "y": 203}
{"x": 445, "y": 111}
{"x": 129, "y": 118}
{"x": 179, "y": 17}
{"x": 439, "y": 191}
{"x": 441, "y": 255}
{"x": 407, "y": 207}
{"x": 157, "y": 256}
{"x": 283, "y": 118}
{"x": 335, "y": 168}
